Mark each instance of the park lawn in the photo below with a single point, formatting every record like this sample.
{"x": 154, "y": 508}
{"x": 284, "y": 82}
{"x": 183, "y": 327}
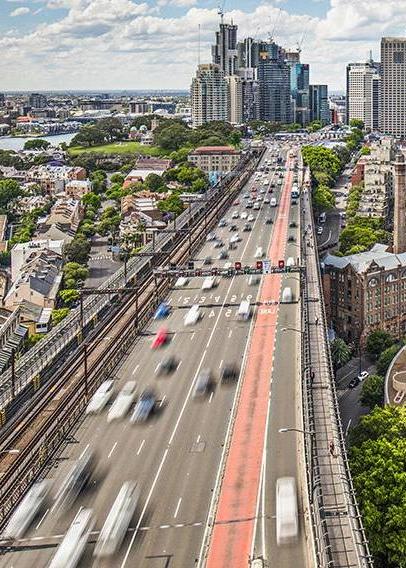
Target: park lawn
{"x": 130, "y": 147}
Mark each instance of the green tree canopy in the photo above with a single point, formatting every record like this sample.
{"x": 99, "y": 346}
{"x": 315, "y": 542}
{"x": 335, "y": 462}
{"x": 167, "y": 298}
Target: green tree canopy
{"x": 69, "y": 296}
{"x": 321, "y": 159}
{"x": 173, "y": 204}
{"x": 37, "y": 144}
{"x": 356, "y": 123}
{"x": 372, "y": 391}
{"x": 9, "y": 190}
{"x": 78, "y": 250}
{"x": 378, "y": 341}
{"x": 117, "y": 178}
{"x": 59, "y": 314}
{"x": 92, "y": 200}
{"x": 171, "y": 137}
{"x": 386, "y": 357}
{"x": 378, "y": 466}
{"x": 323, "y": 198}
{"x": 154, "y": 182}
{"x": 340, "y": 353}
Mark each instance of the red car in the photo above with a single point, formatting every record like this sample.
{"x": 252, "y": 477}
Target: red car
{"x": 236, "y": 202}
{"x": 160, "y": 339}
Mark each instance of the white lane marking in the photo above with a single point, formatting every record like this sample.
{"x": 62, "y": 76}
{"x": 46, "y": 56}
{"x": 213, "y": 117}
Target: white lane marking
{"x": 41, "y": 519}
{"x": 173, "y": 338}
{"x": 179, "y": 364}
{"x": 140, "y": 448}
{"x": 146, "y": 505}
{"x": 230, "y": 333}
{"x": 77, "y": 514}
{"x": 177, "y": 508}
{"x": 135, "y": 369}
{"x": 221, "y": 364}
{"x": 348, "y": 427}
{"x": 112, "y": 450}
{"x": 192, "y": 336}
{"x": 156, "y": 368}
{"x": 162, "y": 401}
{"x": 198, "y": 439}
{"x": 84, "y": 451}
{"x": 211, "y": 396}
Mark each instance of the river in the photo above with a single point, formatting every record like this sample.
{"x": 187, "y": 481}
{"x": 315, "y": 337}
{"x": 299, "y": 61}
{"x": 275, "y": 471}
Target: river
{"x": 17, "y": 143}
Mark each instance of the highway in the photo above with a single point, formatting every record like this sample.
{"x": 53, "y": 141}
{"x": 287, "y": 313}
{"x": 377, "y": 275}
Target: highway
{"x": 176, "y": 456}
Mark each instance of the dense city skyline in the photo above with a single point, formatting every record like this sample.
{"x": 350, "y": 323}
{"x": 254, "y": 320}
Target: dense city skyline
{"x": 41, "y": 49}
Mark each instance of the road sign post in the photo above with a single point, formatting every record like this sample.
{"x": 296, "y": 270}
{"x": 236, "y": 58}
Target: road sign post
{"x": 266, "y": 266}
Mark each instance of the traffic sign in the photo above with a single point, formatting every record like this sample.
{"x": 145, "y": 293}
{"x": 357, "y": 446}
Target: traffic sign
{"x": 266, "y": 267}
{"x": 281, "y": 264}
{"x": 237, "y": 265}
{"x": 260, "y": 265}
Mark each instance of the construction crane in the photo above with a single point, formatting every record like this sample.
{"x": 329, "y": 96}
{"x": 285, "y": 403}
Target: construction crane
{"x": 220, "y": 10}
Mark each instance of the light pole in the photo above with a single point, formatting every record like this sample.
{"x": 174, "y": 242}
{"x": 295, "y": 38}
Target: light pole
{"x": 305, "y": 432}
{"x": 11, "y": 451}
{"x": 285, "y": 329}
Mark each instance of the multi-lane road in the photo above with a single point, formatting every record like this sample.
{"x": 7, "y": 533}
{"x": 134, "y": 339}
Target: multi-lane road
{"x": 189, "y": 458}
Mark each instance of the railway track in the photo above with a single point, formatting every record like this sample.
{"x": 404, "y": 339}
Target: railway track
{"x": 46, "y": 423}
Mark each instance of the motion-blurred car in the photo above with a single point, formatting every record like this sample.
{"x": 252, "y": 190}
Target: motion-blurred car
{"x": 144, "y": 407}
{"x": 162, "y": 311}
{"x": 123, "y": 402}
{"x": 218, "y": 244}
{"x": 203, "y": 384}
{"x": 247, "y": 227}
{"x": 160, "y": 338}
{"x": 223, "y": 254}
{"x": 100, "y": 397}
{"x": 211, "y": 237}
{"x": 75, "y": 481}
{"x": 229, "y": 373}
{"x": 167, "y": 366}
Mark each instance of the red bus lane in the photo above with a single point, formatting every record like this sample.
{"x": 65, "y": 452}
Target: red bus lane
{"x": 233, "y": 528}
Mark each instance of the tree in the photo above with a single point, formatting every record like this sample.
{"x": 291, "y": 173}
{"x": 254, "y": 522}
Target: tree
{"x": 154, "y": 182}
{"x": 98, "y": 179}
{"x": 37, "y": 144}
{"x": 89, "y": 135}
{"x": 365, "y": 151}
{"x": 385, "y": 359}
{"x": 199, "y": 185}
{"x": 372, "y": 391}
{"x": 172, "y": 204}
{"x": 360, "y": 235}
{"x": 117, "y": 178}
{"x": 171, "y": 137}
{"x": 235, "y": 138}
{"x": 378, "y": 341}
{"x": 323, "y": 198}
{"x": 321, "y": 159}
{"x": 59, "y": 314}
{"x": 74, "y": 272}
{"x": 9, "y": 190}
{"x": 111, "y": 128}
{"x": 91, "y": 199}
{"x": 340, "y": 353}
{"x": 69, "y": 296}
{"x": 378, "y": 466}
{"x": 78, "y": 250}
{"x": 356, "y": 123}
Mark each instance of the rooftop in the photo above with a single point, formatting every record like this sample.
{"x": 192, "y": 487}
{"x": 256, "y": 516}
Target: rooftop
{"x": 362, "y": 261}
{"x": 215, "y": 150}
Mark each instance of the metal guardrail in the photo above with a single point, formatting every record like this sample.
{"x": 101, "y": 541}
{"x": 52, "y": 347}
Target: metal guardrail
{"x": 337, "y": 525}
{"x": 37, "y": 359}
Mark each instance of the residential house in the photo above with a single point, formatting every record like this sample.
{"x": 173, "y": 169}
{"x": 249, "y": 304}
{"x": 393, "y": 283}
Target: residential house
{"x": 145, "y": 166}
{"x": 65, "y": 215}
{"x": 215, "y": 159}
{"x": 21, "y": 252}
{"x": 78, "y": 188}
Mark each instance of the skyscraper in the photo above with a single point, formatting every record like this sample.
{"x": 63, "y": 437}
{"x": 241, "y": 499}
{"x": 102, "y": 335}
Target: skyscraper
{"x": 274, "y": 84}
{"x": 36, "y": 100}
{"x": 318, "y": 99}
{"x": 399, "y": 221}
{"x": 209, "y": 94}
{"x": 393, "y": 87}
{"x": 363, "y": 88}
{"x": 299, "y": 88}
{"x": 224, "y": 52}
{"x": 234, "y": 104}
{"x": 248, "y": 53}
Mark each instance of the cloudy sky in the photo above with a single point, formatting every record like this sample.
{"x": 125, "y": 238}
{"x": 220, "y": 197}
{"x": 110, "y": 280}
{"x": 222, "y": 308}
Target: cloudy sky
{"x": 148, "y": 44}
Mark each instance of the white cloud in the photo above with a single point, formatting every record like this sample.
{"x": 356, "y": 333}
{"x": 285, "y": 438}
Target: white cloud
{"x": 20, "y": 12}
{"x": 129, "y": 44}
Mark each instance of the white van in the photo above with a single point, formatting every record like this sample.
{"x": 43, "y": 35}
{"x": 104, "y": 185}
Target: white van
{"x": 244, "y": 311}
{"x": 287, "y": 296}
{"x": 71, "y": 549}
{"x": 209, "y": 283}
{"x": 290, "y": 261}
{"x": 273, "y": 202}
{"x": 259, "y": 253}
{"x": 287, "y": 526}
{"x": 193, "y": 315}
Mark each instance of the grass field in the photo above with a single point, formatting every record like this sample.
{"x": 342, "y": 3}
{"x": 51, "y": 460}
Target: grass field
{"x": 129, "y": 147}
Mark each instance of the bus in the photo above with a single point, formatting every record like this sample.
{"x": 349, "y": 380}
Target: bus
{"x": 287, "y": 524}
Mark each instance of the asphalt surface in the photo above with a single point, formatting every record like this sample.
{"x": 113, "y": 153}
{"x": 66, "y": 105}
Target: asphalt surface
{"x": 175, "y": 456}
{"x": 101, "y": 263}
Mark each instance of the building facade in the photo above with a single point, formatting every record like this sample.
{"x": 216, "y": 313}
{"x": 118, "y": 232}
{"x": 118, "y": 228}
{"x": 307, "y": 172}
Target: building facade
{"x": 299, "y": 86}
{"x": 224, "y": 52}
{"x": 318, "y": 101}
{"x": 218, "y": 159}
{"x": 209, "y": 95}
{"x": 393, "y": 88}
{"x": 275, "y": 102}
{"x": 234, "y": 103}
{"x": 363, "y": 93}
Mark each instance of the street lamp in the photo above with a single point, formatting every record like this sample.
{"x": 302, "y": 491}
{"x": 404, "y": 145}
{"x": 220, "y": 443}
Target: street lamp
{"x": 305, "y": 432}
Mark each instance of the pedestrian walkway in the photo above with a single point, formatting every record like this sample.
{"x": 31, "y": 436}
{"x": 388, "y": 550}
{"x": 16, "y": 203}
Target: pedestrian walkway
{"x": 336, "y": 517}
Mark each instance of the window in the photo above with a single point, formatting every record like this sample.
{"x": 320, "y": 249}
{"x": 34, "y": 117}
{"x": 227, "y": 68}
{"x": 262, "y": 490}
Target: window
{"x": 373, "y": 282}
{"x": 398, "y": 57}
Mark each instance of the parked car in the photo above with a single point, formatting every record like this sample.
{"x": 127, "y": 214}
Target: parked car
{"x": 363, "y": 375}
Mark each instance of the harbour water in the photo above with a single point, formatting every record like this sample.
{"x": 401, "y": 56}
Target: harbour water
{"x": 17, "y": 143}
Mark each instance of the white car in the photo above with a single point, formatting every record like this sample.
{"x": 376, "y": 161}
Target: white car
{"x": 235, "y": 215}
{"x": 235, "y": 238}
{"x": 244, "y": 215}
{"x": 319, "y": 230}
{"x": 211, "y": 237}
{"x": 251, "y": 218}
{"x": 100, "y": 397}
{"x": 193, "y": 315}
{"x": 363, "y": 375}
{"x": 122, "y": 404}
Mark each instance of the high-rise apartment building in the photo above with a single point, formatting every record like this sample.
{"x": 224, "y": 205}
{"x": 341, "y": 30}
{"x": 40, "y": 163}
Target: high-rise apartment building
{"x": 250, "y": 93}
{"x": 224, "y": 52}
{"x": 235, "y": 105}
{"x": 274, "y": 84}
{"x": 363, "y": 89}
{"x": 299, "y": 88}
{"x": 36, "y": 100}
{"x": 248, "y": 53}
{"x": 393, "y": 87}
{"x": 318, "y": 101}
{"x": 209, "y": 94}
